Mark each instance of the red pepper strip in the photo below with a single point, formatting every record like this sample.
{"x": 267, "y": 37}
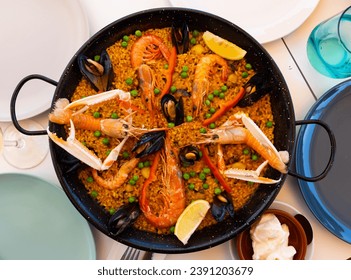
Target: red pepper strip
{"x": 226, "y": 107}
{"x": 152, "y": 177}
{"x": 171, "y": 66}
{"x": 214, "y": 169}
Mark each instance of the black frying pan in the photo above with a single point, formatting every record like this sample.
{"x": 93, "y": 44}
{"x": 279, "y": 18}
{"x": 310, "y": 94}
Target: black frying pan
{"x": 283, "y": 112}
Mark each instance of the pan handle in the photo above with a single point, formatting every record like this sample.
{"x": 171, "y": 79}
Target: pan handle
{"x": 332, "y": 151}
{"x": 14, "y": 99}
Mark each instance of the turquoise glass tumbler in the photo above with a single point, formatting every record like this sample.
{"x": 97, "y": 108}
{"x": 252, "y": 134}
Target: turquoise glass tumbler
{"x": 329, "y": 46}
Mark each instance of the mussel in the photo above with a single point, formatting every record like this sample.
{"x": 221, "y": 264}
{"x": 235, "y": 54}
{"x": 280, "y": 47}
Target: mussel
{"x": 99, "y": 73}
{"x": 123, "y": 218}
{"x": 180, "y": 36}
{"x": 172, "y": 109}
{"x": 149, "y": 143}
{"x": 221, "y": 206}
{"x": 257, "y": 87}
{"x": 189, "y": 154}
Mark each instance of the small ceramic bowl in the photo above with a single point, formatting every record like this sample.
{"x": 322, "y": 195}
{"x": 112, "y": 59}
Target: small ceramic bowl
{"x": 297, "y": 237}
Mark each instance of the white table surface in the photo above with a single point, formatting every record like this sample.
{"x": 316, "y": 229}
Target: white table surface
{"x": 305, "y": 85}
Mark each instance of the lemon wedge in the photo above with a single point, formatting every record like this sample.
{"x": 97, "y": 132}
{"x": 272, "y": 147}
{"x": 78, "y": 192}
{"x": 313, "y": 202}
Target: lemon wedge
{"x": 222, "y": 47}
{"x": 190, "y": 219}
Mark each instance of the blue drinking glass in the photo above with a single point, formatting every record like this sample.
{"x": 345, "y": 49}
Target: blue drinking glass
{"x": 329, "y": 46}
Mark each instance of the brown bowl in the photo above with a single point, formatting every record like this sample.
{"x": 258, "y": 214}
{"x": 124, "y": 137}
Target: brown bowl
{"x": 297, "y": 237}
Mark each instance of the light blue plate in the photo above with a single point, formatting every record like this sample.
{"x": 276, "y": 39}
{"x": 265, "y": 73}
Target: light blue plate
{"x": 37, "y": 221}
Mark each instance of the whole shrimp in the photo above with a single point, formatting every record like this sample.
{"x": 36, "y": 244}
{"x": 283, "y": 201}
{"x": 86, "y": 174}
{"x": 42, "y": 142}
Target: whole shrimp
{"x": 172, "y": 193}
{"x": 202, "y": 78}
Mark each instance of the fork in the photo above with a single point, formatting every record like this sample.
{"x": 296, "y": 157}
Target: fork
{"x": 130, "y": 254}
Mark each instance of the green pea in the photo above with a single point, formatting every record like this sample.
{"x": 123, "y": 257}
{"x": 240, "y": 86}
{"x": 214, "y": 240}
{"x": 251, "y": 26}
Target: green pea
{"x": 124, "y": 44}
{"x": 212, "y": 110}
{"x": 203, "y": 130}
{"x": 205, "y": 186}
{"x": 157, "y": 91}
{"x": 172, "y": 229}
{"x": 269, "y": 123}
{"x": 147, "y": 163}
{"x": 210, "y": 97}
{"x": 206, "y": 170}
{"x": 131, "y": 199}
{"x": 254, "y": 157}
{"x": 221, "y": 95}
{"x": 248, "y": 66}
{"x": 94, "y": 194}
{"x": 245, "y": 74}
{"x": 90, "y": 179}
{"x": 202, "y": 176}
{"x": 138, "y": 33}
{"x": 184, "y": 75}
{"x": 105, "y": 141}
{"x": 185, "y": 68}
{"x": 114, "y": 115}
{"x": 216, "y": 92}
{"x": 208, "y": 102}
{"x": 84, "y": 143}
{"x": 173, "y": 89}
{"x": 196, "y": 33}
{"x": 246, "y": 151}
{"x": 126, "y": 38}
{"x": 189, "y": 118}
{"x": 108, "y": 152}
{"x": 193, "y": 41}
{"x": 140, "y": 165}
{"x": 217, "y": 191}
{"x": 97, "y": 133}
{"x": 129, "y": 81}
{"x": 250, "y": 183}
{"x": 186, "y": 176}
{"x": 135, "y": 178}
{"x": 208, "y": 115}
{"x": 97, "y": 58}
{"x": 112, "y": 211}
{"x": 224, "y": 88}
{"x": 170, "y": 125}
{"x": 96, "y": 115}
{"x": 212, "y": 125}
{"x": 134, "y": 93}
{"x": 132, "y": 182}
{"x": 191, "y": 186}
{"x": 165, "y": 66}
{"x": 125, "y": 154}
{"x": 192, "y": 173}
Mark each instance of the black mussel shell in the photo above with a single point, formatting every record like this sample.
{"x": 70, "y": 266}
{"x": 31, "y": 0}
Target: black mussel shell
{"x": 149, "y": 143}
{"x": 189, "y": 154}
{"x": 99, "y": 73}
{"x": 123, "y": 218}
{"x": 257, "y": 87}
{"x": 180, "y": 36}
{"x": 71, "y": 163}
{"x": 221, "y": 206}
{"x": 172, "y": 109}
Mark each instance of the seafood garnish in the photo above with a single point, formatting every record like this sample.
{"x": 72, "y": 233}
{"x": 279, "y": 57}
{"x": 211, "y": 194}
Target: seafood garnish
{"x": 123, "y": 218}
{"x": 250, "y": 175}
{"x": 232, "y": 132}
{"x": 180, "y": 37}
{"x": 257, "y": 87}
{"x": 222, "y": 205}
{"x": 99, "y": 73}
{"x": 81, "y": 152}
{"x": 172, "y": 109}
{"x": 189, "y": 154}
{"x": 149, "y": 143}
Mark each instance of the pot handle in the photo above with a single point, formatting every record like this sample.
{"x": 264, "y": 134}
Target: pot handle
{"x": 14, "y": 99}
{"x": 332, "y": 151}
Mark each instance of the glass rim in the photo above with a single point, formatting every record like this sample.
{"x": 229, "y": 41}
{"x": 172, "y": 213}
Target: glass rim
{"x": 339, "y": 23}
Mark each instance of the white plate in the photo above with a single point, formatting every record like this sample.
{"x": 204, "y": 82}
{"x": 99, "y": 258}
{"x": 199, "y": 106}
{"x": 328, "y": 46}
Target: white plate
{"x": 280, "y": 206}
{"x": 37, "y": 37}
{"x": 265, "y": 20}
